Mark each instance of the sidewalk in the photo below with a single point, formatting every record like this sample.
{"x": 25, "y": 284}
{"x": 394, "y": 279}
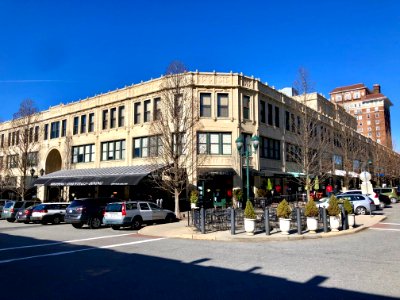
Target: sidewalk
{"x": 181, "y": 230}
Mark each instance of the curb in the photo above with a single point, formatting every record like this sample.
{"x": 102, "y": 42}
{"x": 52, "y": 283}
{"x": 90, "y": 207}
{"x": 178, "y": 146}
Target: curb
{"x": 226, "y": 237}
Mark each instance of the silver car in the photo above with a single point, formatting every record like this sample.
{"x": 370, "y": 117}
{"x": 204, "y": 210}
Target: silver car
{"x": 362, "y": 204}
{"x": 135, "y": 213}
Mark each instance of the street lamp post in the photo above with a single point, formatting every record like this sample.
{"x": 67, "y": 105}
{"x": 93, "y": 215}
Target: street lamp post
{"x": 255, "y": 141}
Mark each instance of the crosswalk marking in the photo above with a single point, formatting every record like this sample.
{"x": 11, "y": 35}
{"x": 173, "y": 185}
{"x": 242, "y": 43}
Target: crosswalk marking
{"x": 78, "y": 250}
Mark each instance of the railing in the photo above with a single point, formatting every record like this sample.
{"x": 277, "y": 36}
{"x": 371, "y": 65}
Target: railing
{"x": 218, "y": 219}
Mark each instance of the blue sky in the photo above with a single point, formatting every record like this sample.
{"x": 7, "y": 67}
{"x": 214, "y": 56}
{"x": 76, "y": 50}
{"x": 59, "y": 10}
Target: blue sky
{"x": 63, "y": 51}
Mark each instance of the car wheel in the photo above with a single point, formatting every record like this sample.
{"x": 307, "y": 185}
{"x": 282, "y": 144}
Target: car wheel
{"x": 56, "y": 220}
{"x": 94, "y": 223}
{"x": 77, "y": 225}
{"x": 393, "y": 200}
{"x": 43, "y": 222}
{"x": 169, "y": 218}
{"x": 361, "y": 210}
{"x": 137, "y": 223}
{"x": 115, "y": 227}
{"x": 11, "y": 220}
{"x": 26, "y": 222}
{"x": 381, "y": 205}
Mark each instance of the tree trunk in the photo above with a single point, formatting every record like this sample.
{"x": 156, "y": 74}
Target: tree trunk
{"x": 177, "y": 210}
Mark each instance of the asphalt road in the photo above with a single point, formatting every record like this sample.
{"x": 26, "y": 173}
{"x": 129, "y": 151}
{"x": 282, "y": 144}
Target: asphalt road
{"x": 60, "y": 262}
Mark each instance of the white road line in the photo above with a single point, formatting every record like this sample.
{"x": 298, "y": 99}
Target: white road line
{"x": 385, "y": 229}
{"x": 395, "y": 224}
{"x": 65, "y": 242}
{"x": 75, "y": 251}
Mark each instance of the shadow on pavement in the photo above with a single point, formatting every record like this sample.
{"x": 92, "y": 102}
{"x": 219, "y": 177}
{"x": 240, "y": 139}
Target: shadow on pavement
{"x": 94, "y": 273}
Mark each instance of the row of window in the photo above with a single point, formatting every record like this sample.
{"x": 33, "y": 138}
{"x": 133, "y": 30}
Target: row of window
{"x": 14, "y": 138}
{"x": 12, "y": 161}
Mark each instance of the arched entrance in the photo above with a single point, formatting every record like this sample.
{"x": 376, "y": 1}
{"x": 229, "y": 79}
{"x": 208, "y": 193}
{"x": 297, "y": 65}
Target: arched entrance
{"x": 53, "y": 164}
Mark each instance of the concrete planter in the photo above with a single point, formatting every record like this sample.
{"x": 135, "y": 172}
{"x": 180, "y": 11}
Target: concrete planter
{"x": 249, "y": 226}
{"x": 284, "y": 226}
{"x": 312, "y": 224}
{"x": 352, "y": 220}
{"x": 334, "y": 222}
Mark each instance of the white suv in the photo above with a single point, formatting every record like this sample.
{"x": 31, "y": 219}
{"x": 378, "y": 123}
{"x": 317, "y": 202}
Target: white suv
{"x": 135, "y": 213}
{"x": 49, "y": 213}
{"x": 374, "y": 196}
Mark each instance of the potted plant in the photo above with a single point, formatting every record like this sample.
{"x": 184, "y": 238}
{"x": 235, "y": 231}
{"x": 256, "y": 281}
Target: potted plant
{"x": 348, "y": 208}
{"x": 311, "y": 212}
{"x": 249, "y": 218}
{"x": 237, "y": 197}
{"x": 333, "y": 211}
{"x": 194, "y": 197}
{"x": 283, "y": 212}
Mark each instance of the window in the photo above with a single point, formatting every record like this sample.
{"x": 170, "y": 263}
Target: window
{"x": 91, "y": 122}
{"x": 369, "y": 134}
{"x": 114, "y": 150}
{"x": 205, "y": 105}
{"x": 147, "y": 111}
{"x": 347, "y": 96}
{"x": 146, "y": 146}
{"x": 30, "y": 138}
{"x": 2, "y": 141}
{"x": 293, "y": 153}
{"x": 378, "y": 133}
{"x": 136, "y": 118}
{"x": 63, "y": 127}
{"x": 32, "y": 159}
{"x": 369, "y": 122}
{"x": 36, "y": 133}
{"x": 377, "y": 121}
{"x": 246, "y": 107}
{"x": 157, "y": 109}
{"x": 360, "y": 130}
{"x": 270, "y": 120}
{"x": 222, "y": 106}
{"x": 76, "y": 125}
{"x": 368, "y": 116}
{"x": 12, "y": 161}
{"x": 113, "y": 117}
{"x": 360, "y": 117}
{"x": 356, "y": 95}
{"x": 368, "y": 110}
{"x": 83, "y": 124}
{"x": 369, "y": 129}
{"x": 54, "y": 130}
{"x": 338, "y": 162}
{"x": 85, "y": 153}
{"x": 214, "y": 143}
{"x": 287, "y": 120}
{"x": 338, "y": 98}
{"x": 105, "y": 119}
{"x": 270, "y": 148}
{"x": 277, "y": 116}
{"x": 46, "y": 131}
{"x": 377, "y": 115}
{"x": 1, "y": 164}
{"x": 376, "y": 108}
{"x": 378, "y": 141}
{"x": 262, "y": 111}
{"x": 377, "y": 128}
{"x": 121, "y": 116}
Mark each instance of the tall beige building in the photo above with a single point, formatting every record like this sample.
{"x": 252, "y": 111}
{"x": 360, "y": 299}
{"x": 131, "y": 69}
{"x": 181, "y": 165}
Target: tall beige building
{"x": 103, "y": 144}
{"x": 371, "y": 108}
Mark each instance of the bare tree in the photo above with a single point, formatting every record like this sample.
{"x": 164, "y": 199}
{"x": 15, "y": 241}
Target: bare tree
{"x": 173, "y": 129}
{"x": 311, "y": 152}
{"x": 22, "y": 149}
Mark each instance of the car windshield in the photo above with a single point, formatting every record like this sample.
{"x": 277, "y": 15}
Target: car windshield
{"x": 8, "y": 204}
{"x": 77, "y": 203}
{"x": 40, "y": 207}
{"x": 114, "y": 207}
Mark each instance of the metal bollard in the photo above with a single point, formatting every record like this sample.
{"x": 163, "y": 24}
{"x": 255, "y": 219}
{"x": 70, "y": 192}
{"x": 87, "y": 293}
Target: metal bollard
{"x": 325, "y": 220}
{"x": 233, "y": 219}
{"x": 345, "y": 221}
{"x": 298, "y": 215}
{"x": 203, "y": 220}
{"x": 266, "y": 220}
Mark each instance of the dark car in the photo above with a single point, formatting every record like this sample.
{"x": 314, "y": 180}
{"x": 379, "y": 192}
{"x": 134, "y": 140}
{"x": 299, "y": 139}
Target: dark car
{"x": 12, "y": 207}
{"x": 24, "y": 215}
{"x": 87, "y": 211}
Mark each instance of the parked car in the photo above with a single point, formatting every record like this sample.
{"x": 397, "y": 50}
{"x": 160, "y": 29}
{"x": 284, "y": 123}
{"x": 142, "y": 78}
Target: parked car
{"x": 87, "y": 211}
{"x": 2, "y": 203}
{"x": 11, "y": 208}
{"x": 49, "y": 213}
{"x": 135, "y": 213}
{"x": 379, "y": 202}
{"x": 24, "y": 215}
{"x": 362, "y": 204}
{"x": 389, "y": 192}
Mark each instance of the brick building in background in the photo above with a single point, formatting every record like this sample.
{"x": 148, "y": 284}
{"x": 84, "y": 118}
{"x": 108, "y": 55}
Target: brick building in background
{"x": 370, "y": 108}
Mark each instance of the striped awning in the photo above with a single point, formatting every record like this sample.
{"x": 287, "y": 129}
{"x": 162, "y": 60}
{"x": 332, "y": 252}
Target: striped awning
{"x": 127, "y": 175}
